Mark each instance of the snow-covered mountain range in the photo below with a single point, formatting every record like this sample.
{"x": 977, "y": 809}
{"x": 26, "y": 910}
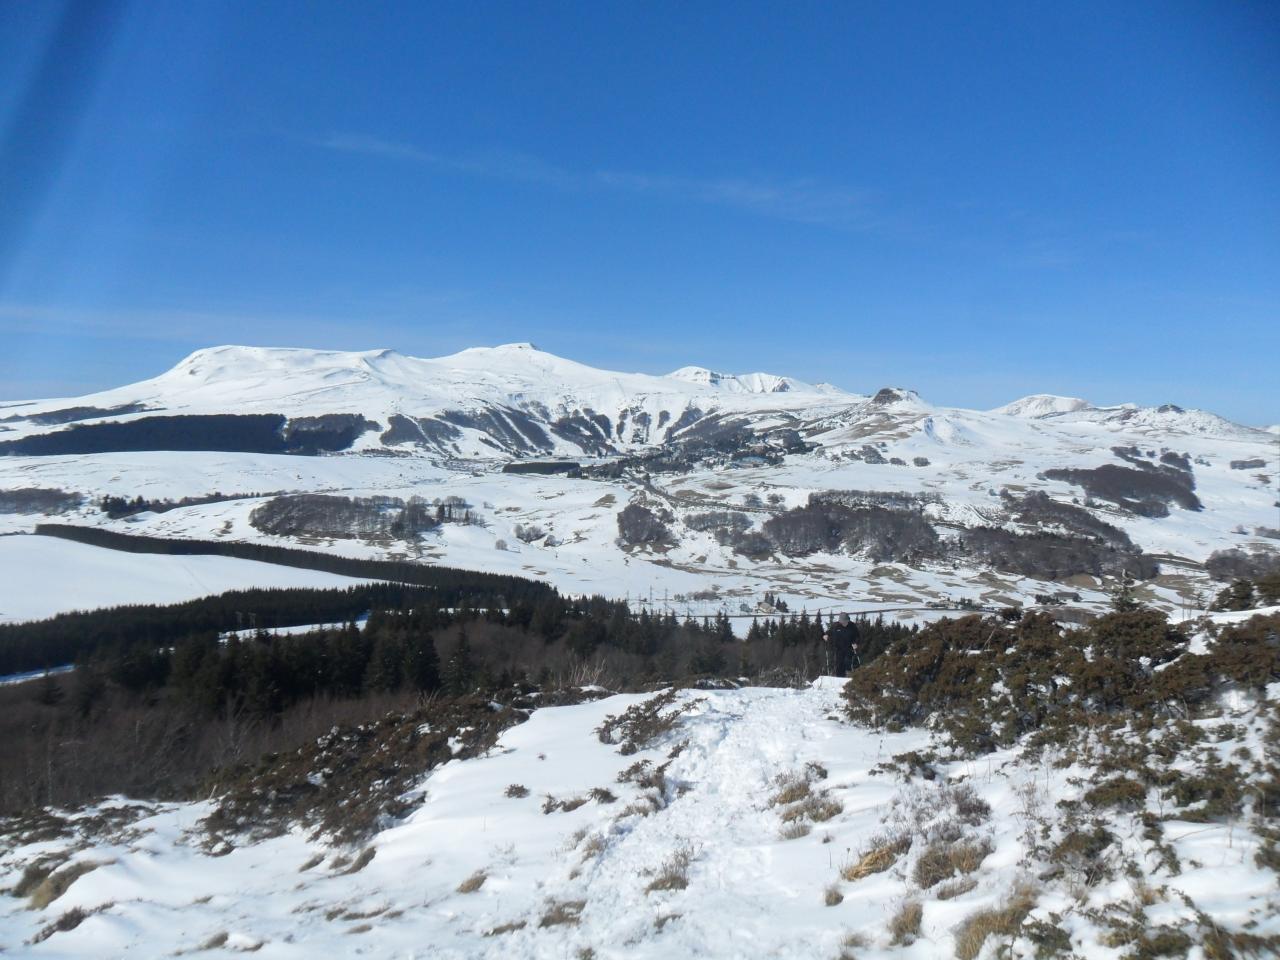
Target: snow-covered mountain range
{"x": 715, "y": 458}
{"x": 516, "y": 400}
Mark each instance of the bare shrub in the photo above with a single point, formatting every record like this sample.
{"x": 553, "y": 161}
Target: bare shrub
{"x": 517, "y": 790}
{"x": 904, "y": 926}
{"x": 832, "y": 896}
{"x": 550, "y": 804}
{"x": 641, "y": 807}
{"x": 642, "y": 724}
{"x": 528, "y": 534}
{"x": 970, "y": 807}
{"x": 638, "y": 524}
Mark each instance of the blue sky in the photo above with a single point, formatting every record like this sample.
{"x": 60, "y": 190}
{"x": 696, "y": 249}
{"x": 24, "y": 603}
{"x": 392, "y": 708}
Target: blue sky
{"x": 975, "y": 200}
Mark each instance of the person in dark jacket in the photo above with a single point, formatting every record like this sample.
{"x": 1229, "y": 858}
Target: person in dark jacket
{"x": 842, "y": 642}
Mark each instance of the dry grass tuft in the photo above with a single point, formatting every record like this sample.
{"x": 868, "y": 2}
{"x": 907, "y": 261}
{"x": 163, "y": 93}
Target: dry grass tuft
{"x": 970, "y": 807}
{"x": 215, "y": 942}
{"x": 363, "y": 860}
{"x": 792, "y": 787}
{"x": 35, "y": 874}
{"x": 473, "y": 882}
{"x": 594, "y": 846}
{"x": 562, "y": 912}
{"x": 550, "y": 804}
{"x": 883, "y": 854}
{"x": 517, "y": 790}
{"x": 795, "y": 830}
{"x": 816, "y": 807}
{"x": 55, "y": 884}
{"x": 832, "y": 896}
{"x": 942, "y": 861}
{"x": 956, "y": 888}
{"x": 905, "y": 924}
{"x": 506, "y": 928}
{"x": 674, "y": 873}
{"x": 68, "y": 921}
{"x": 851, "y": 943}
{"x": 1003, "y": 922}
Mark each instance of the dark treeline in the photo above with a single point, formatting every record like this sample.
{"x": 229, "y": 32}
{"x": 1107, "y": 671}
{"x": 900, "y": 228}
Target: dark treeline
{"x": 71, "y": 637}
{"x": 117, "y": 507}
{"x": 166, "y": 715}
{"x": 457, "y": 587}
{"x": 244, "y": 433}
{"x": 424, "y": 649}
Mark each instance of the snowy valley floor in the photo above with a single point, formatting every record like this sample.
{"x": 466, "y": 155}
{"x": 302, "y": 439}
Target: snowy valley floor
{"x": 686, "y": 855}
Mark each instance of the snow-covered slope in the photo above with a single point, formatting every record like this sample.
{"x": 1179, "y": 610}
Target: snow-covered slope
{"x": 546, "y": 847}
{"x": 1042, "y": 405}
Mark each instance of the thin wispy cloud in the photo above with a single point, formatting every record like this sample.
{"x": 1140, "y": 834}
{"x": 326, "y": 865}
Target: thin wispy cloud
{"x": 797, "y": 200}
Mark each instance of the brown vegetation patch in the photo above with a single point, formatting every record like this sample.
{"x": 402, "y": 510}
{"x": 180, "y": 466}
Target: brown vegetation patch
{"x": 881, "y": 855}
{"x": 502, "y": 928}
{"x": 367, "y": 771}
{"x": 904, "y": 926}
{"x": 562, "y": 912}
{"x": 643, "y": 724}
{"x": 55, "y": 884}
{"x": 1004, "y": 921}
{"x": 473, "y": 882}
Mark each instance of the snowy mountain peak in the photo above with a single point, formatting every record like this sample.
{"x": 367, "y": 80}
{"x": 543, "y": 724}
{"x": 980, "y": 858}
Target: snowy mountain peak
{"x": 1042, "y": 405}
{"x": 897, "y": 397}
{"x": 743, "y": 383}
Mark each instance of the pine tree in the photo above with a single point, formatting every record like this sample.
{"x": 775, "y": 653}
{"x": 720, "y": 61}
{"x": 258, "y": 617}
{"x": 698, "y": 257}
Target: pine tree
{"x": 49, "y": 693}
{"x": 460, "y": 671}
{"x": 1122, "y": 598}
{"x": 422, "y": 665}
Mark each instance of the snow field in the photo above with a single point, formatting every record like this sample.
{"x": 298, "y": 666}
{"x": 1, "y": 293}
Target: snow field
{"x": 44, "y": 576}
{"x": 478, "y": 871}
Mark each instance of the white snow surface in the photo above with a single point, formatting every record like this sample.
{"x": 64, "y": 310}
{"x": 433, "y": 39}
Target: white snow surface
{"x": 1042, "y": 405}
{"x": 749, "y": 892}
{"x": 43, "y": 576}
